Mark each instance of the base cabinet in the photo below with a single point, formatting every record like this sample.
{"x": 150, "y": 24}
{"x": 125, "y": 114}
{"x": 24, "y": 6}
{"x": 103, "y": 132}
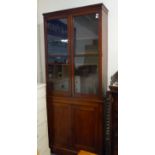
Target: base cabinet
{"x": 74, "y": 126}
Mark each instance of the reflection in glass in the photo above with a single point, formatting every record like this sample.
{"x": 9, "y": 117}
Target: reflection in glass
{"x": 58, "y": 77}
{"x": 86, "y": 34}
{"x": 86, "y": 60}
{"x": 57, "y": 36}
{"x": 86, "y": 75}
{"x": 58, "y": 60}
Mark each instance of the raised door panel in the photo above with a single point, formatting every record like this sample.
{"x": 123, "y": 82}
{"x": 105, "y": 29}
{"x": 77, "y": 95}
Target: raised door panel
{"x": 85, "y": 127}
{"x": 60, "y": 125}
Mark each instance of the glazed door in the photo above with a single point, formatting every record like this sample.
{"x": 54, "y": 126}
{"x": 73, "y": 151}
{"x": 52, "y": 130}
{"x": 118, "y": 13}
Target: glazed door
{"x": 86, "y": 54}
{"x": 58, "y": 56}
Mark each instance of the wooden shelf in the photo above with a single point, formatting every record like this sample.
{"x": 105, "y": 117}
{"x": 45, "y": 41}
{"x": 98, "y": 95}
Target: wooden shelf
{"x": 58, "y": 55}
{"x": 86, "y": 54}
{"x": 57, "y": 64}
{"x": 87, "y": 64}
{"x": 87, "y": 38}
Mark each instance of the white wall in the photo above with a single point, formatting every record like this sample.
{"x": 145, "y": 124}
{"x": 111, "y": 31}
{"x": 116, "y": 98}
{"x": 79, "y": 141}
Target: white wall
{"x": 39, "y": 64}
{"x": 55, "y": 5}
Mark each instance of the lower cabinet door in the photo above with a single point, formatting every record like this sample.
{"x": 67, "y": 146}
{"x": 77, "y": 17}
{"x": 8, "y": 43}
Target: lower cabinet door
{"x": 85, "y": 127}
{"x": 60, "y": 125}
{"x": 74, "y": 127}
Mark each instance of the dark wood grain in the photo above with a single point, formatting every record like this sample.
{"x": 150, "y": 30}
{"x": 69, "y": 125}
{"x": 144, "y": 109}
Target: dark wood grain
{"x": 78, "y": 11}
{"x": 85, "y": 127}
{"x": 60, "y": 113}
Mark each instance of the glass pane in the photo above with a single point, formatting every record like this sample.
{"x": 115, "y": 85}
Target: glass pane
{"x": 86, "y": 34}
{"x": 86, "y": 74}
{"x": 58, "y": 77}
{"x": 57, "y": 37}
{"x": 58, "y": 60}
